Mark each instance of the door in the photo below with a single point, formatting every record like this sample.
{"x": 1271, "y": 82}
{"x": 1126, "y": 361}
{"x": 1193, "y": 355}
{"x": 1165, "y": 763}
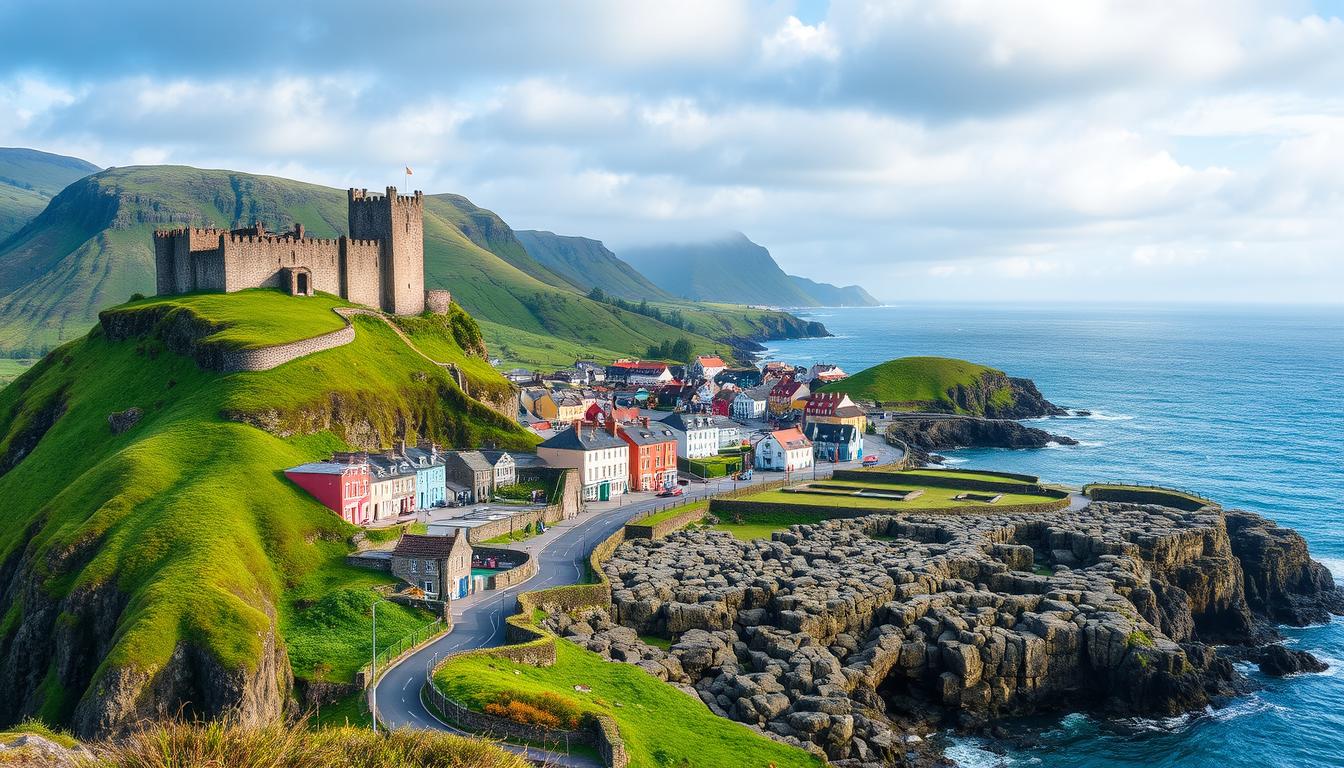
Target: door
{"x": 604, "y": 491}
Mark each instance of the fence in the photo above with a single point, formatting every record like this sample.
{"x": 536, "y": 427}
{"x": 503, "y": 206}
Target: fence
{"x": 402, "y": 646}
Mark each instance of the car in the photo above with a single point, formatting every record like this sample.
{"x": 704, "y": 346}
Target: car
{"x": 870, "y": 461}
{"x": 666, "y": 492}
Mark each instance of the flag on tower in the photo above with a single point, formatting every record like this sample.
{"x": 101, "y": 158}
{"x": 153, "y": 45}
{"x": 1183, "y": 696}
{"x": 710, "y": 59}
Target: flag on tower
{"x": 408, "y": 171}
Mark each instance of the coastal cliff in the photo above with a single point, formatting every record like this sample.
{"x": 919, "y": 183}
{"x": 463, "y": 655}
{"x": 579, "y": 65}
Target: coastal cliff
{"x": 851, "y": 636}
{"x": 924, "y": 435}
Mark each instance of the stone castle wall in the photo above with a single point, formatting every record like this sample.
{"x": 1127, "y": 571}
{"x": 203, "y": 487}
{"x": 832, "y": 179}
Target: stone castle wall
{"x": 380, "y": 265}
{"x": 266, "y": 358}
{"x": 438, "y": 301}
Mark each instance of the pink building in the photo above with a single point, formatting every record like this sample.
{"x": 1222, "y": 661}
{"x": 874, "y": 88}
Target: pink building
{"x": 342, "y": 487}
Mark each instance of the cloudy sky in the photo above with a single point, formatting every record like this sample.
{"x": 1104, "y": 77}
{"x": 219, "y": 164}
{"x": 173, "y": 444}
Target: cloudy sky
{"x": 957, "y": 149}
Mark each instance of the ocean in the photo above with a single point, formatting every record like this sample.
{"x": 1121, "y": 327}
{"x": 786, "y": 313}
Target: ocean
{"x": 1244, "y": 405}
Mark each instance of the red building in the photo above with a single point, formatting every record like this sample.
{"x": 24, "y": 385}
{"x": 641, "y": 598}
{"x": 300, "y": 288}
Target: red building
{"x": 653, "y": 455}
{"x": 722, "y": 404}
{"x": 342, "y": 487}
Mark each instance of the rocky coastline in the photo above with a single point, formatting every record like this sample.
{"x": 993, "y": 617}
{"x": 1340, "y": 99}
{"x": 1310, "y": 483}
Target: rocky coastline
{"x": 924, "y": 436}
{"x": 861, "y": 639}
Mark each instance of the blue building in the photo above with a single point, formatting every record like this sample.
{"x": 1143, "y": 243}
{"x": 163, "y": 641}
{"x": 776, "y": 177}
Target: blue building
{"x": 835, "y": 442}
{"x": 430, "y": 479}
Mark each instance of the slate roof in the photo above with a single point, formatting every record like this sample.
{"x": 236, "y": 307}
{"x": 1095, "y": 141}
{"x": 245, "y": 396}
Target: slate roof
{"x": 494, "y": 456}
{"x": 383, "y": 467}
{"x": 424, "y": 546}
{"x": 687, "y": 422}
{"x": 323, "y": 468}
{"x": 653, "y": 434}
{"x": 475, "y": 461}
{"x": 585, "y": 437}
{"x": 830, "y": 433}
{"x": 423, "y": 459}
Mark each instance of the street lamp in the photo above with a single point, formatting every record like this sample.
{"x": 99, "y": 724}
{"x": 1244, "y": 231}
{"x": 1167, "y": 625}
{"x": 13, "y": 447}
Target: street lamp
{"x": 373, "y": 667}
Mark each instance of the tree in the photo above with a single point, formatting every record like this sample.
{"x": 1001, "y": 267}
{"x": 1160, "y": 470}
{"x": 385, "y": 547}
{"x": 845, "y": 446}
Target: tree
{"x": 597, "y": 294}
{"x": 681, "y": 350}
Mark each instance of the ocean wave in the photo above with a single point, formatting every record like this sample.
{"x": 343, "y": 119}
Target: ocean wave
{"x": 954, "y": 460}
{"x": 1091, "y": 416}
{"x": 1335, "y": 565}
{"x": 969, "y": 754}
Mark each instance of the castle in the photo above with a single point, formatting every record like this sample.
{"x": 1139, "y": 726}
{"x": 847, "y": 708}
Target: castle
{"x": 381, "y": 264}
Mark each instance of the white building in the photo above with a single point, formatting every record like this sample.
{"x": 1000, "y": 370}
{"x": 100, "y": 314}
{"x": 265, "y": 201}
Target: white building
{"x": 506, "y": 470}
{"x": 602, "y": 458}
{"x": 748, "y": 405}
{"x": 707, "y": 367}
{"x": 697, "y": 435}
{"x": 730, "y": 432}
{"x": 784, "y": 450}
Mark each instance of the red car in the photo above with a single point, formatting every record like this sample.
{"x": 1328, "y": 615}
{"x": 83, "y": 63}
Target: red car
{"x": 670, "y": 492}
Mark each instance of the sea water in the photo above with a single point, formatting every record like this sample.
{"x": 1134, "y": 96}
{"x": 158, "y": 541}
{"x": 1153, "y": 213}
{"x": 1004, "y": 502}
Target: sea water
{"x": 1244, "y": 405}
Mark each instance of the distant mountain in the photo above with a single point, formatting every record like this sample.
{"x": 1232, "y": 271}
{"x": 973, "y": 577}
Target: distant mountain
{"x": 28, "y": 181}
{"x": 735, "y": 270}
{"x": 91, "y": 248}
{"x": 828, "y": 295}
{"x": 587, "y": 263}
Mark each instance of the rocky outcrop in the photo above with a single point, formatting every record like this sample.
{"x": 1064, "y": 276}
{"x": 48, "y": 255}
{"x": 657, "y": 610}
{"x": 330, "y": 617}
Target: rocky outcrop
{"x": 30, "y": 750}
{"x": 62, "y": 644}
{"x": 939, "y": 433}
{"x": 120, "y": 421}
{"x": 851, "y": 636}
{"x": 1283, "y": 583}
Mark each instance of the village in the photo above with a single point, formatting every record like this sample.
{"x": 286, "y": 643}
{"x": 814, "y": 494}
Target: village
{"x": 630, "y": 432}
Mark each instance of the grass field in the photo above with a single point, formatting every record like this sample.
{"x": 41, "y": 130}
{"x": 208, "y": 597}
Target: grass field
{"x": 10, "y": 368}
{"x": 917, "y": 382}
{"x": 667, "y": 514}
{"x": 253, "y": 318}
{"x": 662, "y": 726}
{"x": 189, "y": 515}
{"x": 761, "y": 525}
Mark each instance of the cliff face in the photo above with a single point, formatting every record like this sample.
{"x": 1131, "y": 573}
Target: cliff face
{"x": 946, "y": 433}
{"x": 986, "y": 397}
{"x": 827, "y": 636}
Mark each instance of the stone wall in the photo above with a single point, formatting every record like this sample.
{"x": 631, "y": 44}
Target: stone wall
{"x": 397, "y": 222}
{"x": 808, "y": 512}
{"x": 266, "y": 358}
{"x": 1007, "y": 485}
{"x": 438, "y": 301}
{"x": 1139, "y": 495}
{"x": 525, "y": 569}
{"x": 361, "y": 280}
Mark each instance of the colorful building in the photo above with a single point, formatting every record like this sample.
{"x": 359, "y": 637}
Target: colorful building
{"x": 707, "y": 367}
{"x": 834, "y": 408}
{"x": 787, "y": 397}
{"x": 391, "y": 487}
{"x": 341, "y": 486}
{"x": 835, "y": 442}
{"x": 749, "y": 404}
{"x": 602, "y": 458}
{"x": 653, "y": 455}
{"x": 430, "y": 490}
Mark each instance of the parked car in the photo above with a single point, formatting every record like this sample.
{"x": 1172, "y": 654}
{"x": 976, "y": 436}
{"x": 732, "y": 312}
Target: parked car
{"x": 744, "y": 474}
{"x": 666, "y": 492}
{"x": 870, "y": 461}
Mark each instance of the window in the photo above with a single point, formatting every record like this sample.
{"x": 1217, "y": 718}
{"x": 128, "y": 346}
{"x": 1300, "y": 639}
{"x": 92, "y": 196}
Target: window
{"x": 415, "y": 565}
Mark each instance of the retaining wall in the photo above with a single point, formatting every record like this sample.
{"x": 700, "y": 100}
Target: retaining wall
{"x": 524, "y": 570}
{"x": 729, "y": 507}
{"x": 931, "y": 479}
{"x": 1135, "y": 495}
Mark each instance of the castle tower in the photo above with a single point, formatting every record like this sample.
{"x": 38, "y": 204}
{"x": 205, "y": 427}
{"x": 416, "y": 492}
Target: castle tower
{"x": 397, "y": 222}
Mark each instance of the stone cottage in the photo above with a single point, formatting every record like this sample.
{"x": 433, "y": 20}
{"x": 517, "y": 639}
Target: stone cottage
{"x": 439, "y": 565}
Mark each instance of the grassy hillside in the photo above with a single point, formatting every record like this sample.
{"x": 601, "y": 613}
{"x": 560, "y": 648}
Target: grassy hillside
{"x": 829, "y": 295}
{"x": 923, "y": 383}
{"x": 176, "y": 556}
{"x": 28, "y": 181}
{"x": 587, "y": 264}
{"x": 92, "y": 248}
{"x": 730, "y": 269}
{"x": 661, "y": 726}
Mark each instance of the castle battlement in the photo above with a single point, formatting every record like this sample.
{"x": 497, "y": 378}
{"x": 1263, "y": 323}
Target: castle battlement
{"x": 380, "y": 264}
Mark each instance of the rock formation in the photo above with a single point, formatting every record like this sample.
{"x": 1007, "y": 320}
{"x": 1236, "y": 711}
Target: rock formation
{"x": 938, "y": 433}
{"x": 852, "y": 645}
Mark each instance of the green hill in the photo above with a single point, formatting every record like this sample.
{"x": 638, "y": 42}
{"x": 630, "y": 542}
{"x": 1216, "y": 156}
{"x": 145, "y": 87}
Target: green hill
{"x": 589, "y": 264}
{"x": 173, "y": 565}
{"x": 28, "y": 181}
{"x": 91, "y": 248}
{"x": 828, "y": 295}
{"x": 736, "y": 270}
{"x": 945, "y": 385}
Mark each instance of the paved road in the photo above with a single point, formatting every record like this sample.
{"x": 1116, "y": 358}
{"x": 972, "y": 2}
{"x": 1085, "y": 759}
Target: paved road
{"x": 561, "y": 552}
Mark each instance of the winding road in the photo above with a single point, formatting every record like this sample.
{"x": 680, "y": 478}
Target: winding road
{"x": 561, "y": 553}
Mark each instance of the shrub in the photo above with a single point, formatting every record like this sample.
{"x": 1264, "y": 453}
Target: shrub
{"x": 547, "y": 709}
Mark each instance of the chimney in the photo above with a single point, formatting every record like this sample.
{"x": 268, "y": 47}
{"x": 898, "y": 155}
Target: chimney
{"x": 611, "y": 427}
{"x": 578, "y": 424}
{"x": 645, "y": 421}
{"x": 401, "y": 446}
